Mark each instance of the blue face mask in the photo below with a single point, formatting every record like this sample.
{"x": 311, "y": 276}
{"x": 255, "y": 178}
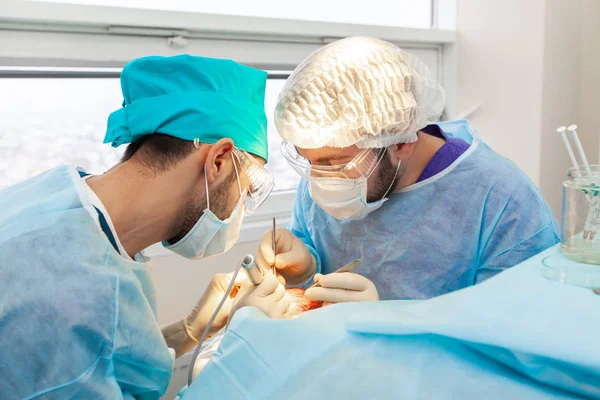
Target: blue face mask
{"x": 210, "y": 236}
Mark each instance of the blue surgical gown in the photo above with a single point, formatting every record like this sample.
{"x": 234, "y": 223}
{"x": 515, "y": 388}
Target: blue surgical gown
{"x": 77, "y": 320}
{"x": 476, "y": 218}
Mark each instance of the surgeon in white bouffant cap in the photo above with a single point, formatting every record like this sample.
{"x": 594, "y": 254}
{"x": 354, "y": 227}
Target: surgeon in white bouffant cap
{"x": 427, "y": 206}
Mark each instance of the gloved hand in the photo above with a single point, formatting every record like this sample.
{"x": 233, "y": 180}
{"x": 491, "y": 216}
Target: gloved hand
{"x": 293, "y": 260}
{"x": 342, "y": 287}
{"x": 183, "y": 335}
{"x": 269, "y": 297}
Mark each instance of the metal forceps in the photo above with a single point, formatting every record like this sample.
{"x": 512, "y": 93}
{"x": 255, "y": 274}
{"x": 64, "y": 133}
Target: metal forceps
{"x": 351, "y": 266}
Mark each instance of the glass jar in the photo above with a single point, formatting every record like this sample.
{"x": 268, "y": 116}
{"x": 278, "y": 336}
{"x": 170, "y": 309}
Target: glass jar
{"x": 580, "y": 224}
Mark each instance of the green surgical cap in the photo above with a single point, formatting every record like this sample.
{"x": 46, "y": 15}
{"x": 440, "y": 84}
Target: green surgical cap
{"x": 192, "y": 98}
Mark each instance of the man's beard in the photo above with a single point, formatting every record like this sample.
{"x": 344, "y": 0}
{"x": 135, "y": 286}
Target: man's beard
{"x": 194, "y": 210}
{"x": 385, "y": 179}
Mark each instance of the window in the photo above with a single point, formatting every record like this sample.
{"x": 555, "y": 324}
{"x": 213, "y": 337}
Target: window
{"x": 65, "y": 118}
{"x": 285, "y": 177}
{"x": 46, "y": 122}
{"x": 398, "y": 13}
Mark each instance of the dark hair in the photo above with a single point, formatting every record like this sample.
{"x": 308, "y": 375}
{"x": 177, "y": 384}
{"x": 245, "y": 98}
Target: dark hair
{"x": 157, "y": 151}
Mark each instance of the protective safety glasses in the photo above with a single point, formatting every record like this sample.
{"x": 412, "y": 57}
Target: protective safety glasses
{"x": 361, "y": 166}
{"x": 261, "y": 181}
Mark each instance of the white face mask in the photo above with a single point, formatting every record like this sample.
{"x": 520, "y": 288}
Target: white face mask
{"x": 210, "y": 236}
{"x": 345, "y": 198}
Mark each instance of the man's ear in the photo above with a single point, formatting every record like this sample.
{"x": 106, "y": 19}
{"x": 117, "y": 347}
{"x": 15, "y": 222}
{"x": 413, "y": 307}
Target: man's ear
{"x": 217, "y": 158}
{"x": 402, "y": 151}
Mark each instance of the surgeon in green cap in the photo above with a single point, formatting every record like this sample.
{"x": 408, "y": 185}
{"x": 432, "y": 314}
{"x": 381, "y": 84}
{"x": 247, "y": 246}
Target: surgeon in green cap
{"x": 77, "y": 308}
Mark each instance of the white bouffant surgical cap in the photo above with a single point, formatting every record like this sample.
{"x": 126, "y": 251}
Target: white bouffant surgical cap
{"x": 358, "y": 91}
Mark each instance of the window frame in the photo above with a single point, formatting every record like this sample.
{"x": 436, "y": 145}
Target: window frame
{"x": 39, "y": 35}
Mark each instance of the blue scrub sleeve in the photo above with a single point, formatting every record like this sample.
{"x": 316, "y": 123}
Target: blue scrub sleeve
{"x": 514, "y": 231}
{"x": 139, "y": 365}
{"x": 141, "y": 360}
{"x": 298, "y": 227}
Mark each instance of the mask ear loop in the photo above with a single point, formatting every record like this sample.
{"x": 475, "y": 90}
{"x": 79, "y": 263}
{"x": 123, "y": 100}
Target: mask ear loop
{"x": 236, "y": 171}
{"x": 206, "y": 186}
{"x": 197, "y": 145}
{"x": 238, "y": 179}
{"x": 394, "y": 179}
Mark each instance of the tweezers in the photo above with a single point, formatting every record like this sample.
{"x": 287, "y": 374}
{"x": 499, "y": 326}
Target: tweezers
{"x": 351, "y": 266}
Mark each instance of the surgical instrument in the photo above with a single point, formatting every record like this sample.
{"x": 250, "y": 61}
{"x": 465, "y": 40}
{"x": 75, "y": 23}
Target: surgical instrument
{"x": 247, "y": 262}
{"x": 351, "y": 266}
{"x": 252, "y": 270}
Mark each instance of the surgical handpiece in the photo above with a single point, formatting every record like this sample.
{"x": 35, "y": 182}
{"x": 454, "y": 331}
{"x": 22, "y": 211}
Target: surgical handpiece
{"x": 256, "y": 277}
{"x": 252, "y": 270}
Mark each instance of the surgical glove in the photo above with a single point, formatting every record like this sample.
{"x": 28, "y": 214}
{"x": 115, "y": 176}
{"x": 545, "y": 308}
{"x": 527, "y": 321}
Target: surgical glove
{"x": 183, "y": 335}
{"x": 293, "y": 260}
{"x": 342, "y": 287}
{"x": 269, "y": 297}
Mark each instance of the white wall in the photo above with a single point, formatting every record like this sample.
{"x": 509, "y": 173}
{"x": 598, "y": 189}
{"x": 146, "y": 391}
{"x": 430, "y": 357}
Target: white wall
{"x": 533, "y": 66}
{"x": 561, "y": 92}
{"x": 589, "y": 78}
{"x": 499, "y": 66}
